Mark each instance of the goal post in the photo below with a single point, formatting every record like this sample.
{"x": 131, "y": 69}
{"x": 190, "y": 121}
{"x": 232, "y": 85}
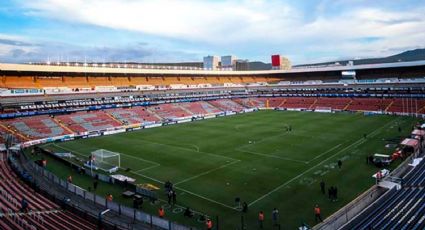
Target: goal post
{"x": 106, "y": 160}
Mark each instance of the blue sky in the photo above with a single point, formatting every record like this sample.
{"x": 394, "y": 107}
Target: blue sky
{"x": 306, "y": 31}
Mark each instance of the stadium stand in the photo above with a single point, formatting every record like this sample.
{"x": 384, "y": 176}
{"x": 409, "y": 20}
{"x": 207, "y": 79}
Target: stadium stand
{"x": 298, "y": 103}
{"x": 368, "y": 104}
{"x": 41, "y": 214}
{"x": 376, "y": 89}
{"x": 75, "y": 82}
{"x": 134, "y": 115}
{"x": 36, "y": 127}
{"x": 334, "y": 103}
{"x": 200, "y": 108}
{"x": 93, "y": 81}
{"x": 170, "y": 111}
{"x": 88, "y": 121}
{"x": 227, "y": 105}
{"x": 252, "y": 102}
{"x": 14, "y": 82}
{"x": 397, "y": 209}
{"x": 43, "y": 126}
{"x": 406, "y": 106}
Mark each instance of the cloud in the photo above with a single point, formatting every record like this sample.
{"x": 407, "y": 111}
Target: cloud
{"x": 304, "y": 31}
{"x": 17, "y": 49}
{"x": 209, "y": 21}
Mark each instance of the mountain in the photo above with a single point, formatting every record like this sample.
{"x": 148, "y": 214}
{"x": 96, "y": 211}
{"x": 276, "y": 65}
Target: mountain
{"x": 411, "y": 55}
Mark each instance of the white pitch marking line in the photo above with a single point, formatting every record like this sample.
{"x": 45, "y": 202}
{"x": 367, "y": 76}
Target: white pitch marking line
{"x": 358, "y": 142}
{"x": 207, "y": 172}
{"x": 206, "y": 198}
{"x": 188, "y": 149}
{"x": 330, "y": 150}
{"x": 145, "y": 169}
{"x": 189, "y": 192}
{"x": 271, "y": 156}
{"x": 161, "y": 182}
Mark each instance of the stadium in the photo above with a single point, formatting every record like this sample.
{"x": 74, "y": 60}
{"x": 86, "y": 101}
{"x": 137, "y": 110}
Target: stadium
{"x": 266, "y": 139}
{"x": 150, "y": 137}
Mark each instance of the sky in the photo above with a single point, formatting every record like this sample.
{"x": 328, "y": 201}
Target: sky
{"x": 305, "y": 31}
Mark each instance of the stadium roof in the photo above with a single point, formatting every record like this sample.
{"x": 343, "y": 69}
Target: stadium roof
{"x": 108, "y": 70}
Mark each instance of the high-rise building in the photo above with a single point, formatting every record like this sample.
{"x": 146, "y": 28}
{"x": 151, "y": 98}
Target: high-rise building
{"x": 211, "y": 62}
{"x": 280, "y": 62}
{"x": 228, "y": 62}
{"x": 241, "y": 65}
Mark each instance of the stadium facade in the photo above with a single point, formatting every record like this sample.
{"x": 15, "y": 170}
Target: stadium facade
{"x": 60, "y": 102}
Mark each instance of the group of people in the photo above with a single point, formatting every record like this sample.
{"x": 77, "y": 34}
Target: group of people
{"x": 171, "y": 193}
{"x": 332, "y": 191}
{"x": 172, "y": 197}
{"x": 275, "y": 218}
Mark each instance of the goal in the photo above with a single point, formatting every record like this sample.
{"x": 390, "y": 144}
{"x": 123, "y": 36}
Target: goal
{"x": 106, "y": 160}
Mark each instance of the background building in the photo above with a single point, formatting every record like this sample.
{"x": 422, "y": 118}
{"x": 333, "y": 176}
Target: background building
{"x": 242, "y": 65}
{"x": 228, "y": 62}
{"x": 280, "y": 62}
{"x": 211, "y": 62}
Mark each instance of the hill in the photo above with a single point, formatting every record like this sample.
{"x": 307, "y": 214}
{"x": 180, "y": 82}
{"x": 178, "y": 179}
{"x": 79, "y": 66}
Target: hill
{"x": 410, "y": 55}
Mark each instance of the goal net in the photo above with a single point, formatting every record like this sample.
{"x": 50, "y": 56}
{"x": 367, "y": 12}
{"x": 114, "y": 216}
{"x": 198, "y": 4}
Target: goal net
{"x": 106, "y": 160}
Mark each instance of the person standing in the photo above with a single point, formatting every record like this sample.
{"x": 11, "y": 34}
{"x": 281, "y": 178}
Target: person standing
{"x": 275, "y": 216}
{"x": 170, "y": 196}
{"x": 209, "y": 224}
{"x": 317, "y": 214}
{"x": 95, "y": 182}
{"x": 261, "y": 219}
{"x": 161, "y": 212}
{"x": 378, "y": 176}
{"x": 339, "y": 164}
{"x": 244, "y": 207}
{"x": 322, "y": 187}
{"x": 69, "y": 179}
{"x": 335, "y": 193}
{"x": 174, "y": 197}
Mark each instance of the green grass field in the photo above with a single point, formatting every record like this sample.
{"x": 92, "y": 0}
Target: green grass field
{"x": 251, "y": 156}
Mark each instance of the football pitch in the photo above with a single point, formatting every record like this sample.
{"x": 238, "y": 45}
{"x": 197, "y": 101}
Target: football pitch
{"x": 269, "y": 159}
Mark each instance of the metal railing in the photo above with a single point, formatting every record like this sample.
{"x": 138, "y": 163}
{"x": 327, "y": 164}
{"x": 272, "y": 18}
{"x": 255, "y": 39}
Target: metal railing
{"x": 131, "y": 213}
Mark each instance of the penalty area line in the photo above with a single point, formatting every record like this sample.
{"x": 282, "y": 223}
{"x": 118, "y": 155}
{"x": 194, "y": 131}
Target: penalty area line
{"x": 356, "y": 143}
{"x": 330, "y": 150}
{"x": 207, "y": 172}
{"x": 189, "y": 192}
{"x": 188, "y": 149}
{"x": 271, "y": 156}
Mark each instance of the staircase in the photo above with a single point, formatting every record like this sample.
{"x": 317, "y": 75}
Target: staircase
{"x": 252, "y": 103}
{"x": 154, "y": 114}
{"x": 348, "y": 104}
{"x": 213, "y": 105}
{"x": 239, "y": 104}
{"x": 58, "y": 122}
{"x": 421, "y": 110}
{"x": 15, "y": 133}
{"x": 314, "y": 103}
{"x": 386, "y": 109}
{"x": 184, "y": 109}
{"x": 282, "y": 103}
{"x": 113, "y": 118}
